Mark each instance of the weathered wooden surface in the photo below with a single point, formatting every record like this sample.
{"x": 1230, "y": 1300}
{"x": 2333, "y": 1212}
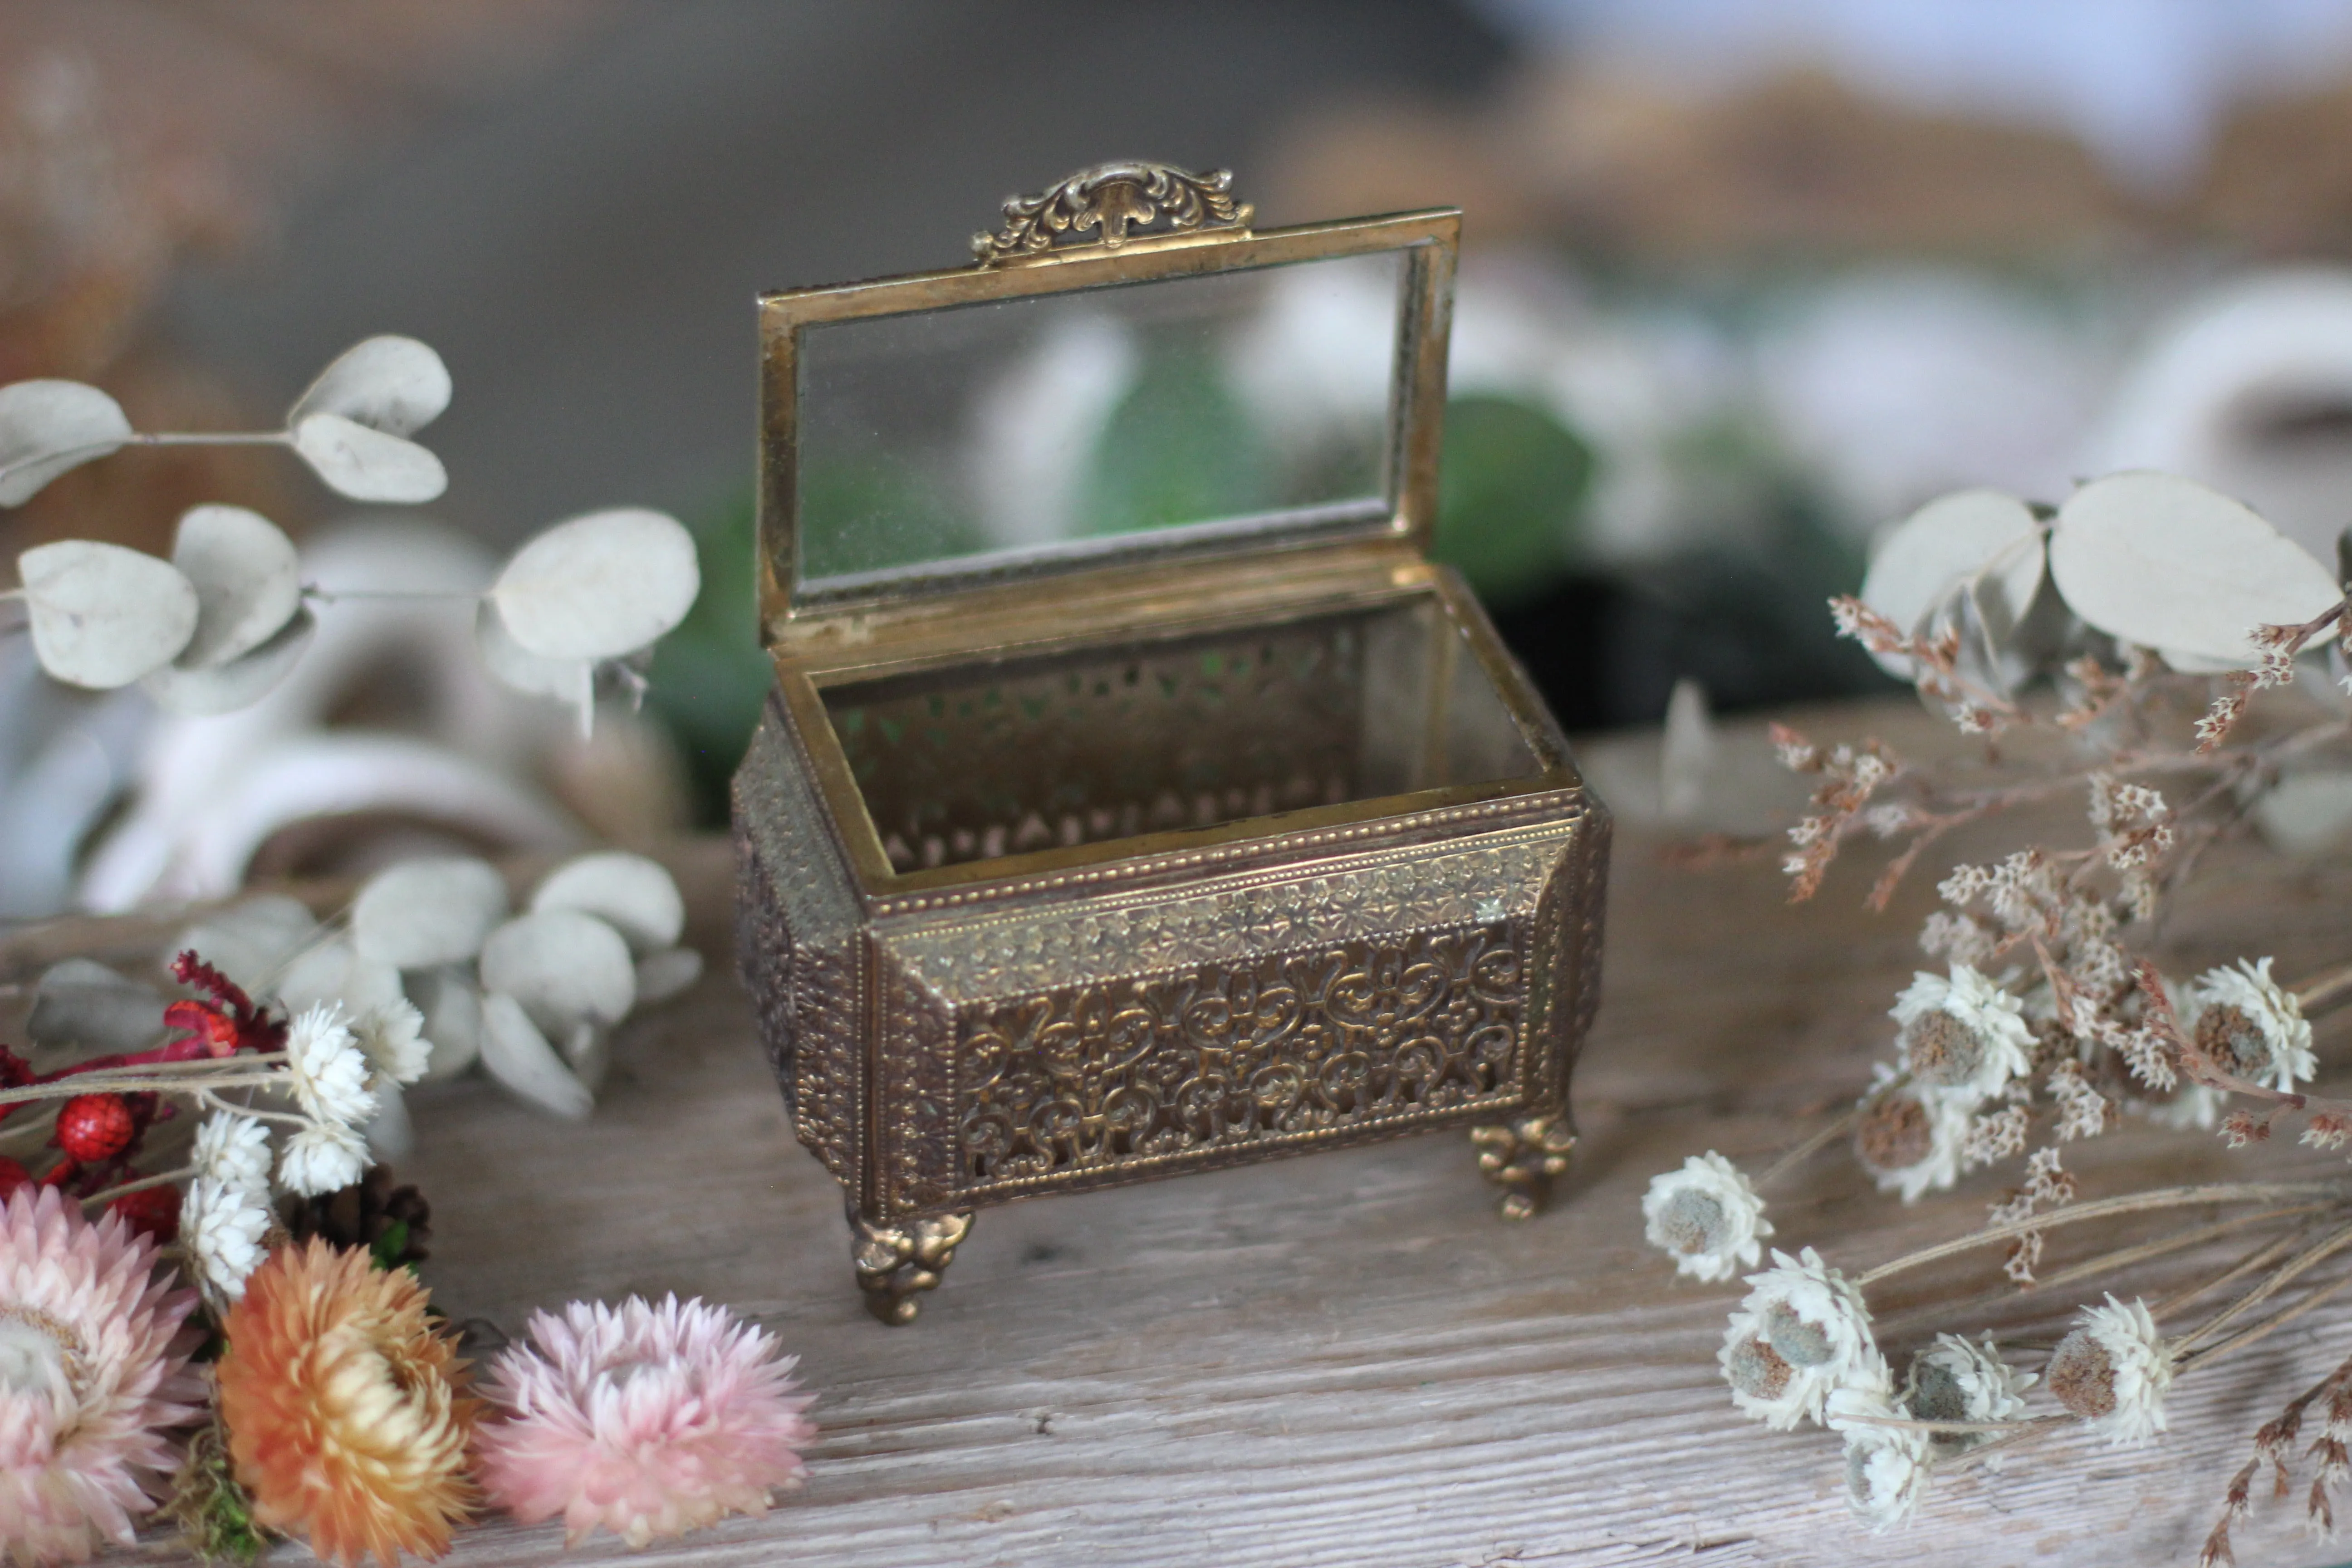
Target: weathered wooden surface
{"x": 1346, "y": 1359}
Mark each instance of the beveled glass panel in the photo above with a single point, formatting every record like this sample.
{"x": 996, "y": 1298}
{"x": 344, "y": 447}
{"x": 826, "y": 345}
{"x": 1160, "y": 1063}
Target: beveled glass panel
{"x": 1073, "y": 425}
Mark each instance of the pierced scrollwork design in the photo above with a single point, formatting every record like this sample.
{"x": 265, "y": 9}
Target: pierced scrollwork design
{"x": 1282, "y": 1050}
{"x": 1522, "y": 1157}
{"x": 896, "y": 1262}
{"x": 1115, "y": 202}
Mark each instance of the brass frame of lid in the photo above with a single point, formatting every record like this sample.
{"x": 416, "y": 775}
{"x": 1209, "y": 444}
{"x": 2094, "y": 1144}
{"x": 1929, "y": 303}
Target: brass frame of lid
{"x": 1102, "y": 590}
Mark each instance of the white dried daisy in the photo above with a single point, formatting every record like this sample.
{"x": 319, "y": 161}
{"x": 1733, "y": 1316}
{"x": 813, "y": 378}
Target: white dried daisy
{"x": 1799, "y": 1314}
{"x": 2114, "y": 1370}
{"x": 391, "y": 1035}
{"x": 233, "y": 1152}
{"x": 222, "y": 1224}
{"x": 324, "y": 1157}
{"x": 1953, "y": 1380}
{"x": 2251, "y": 1027}
{"x": 1911, "y": 1140}
{"x": 1706, "y": 1217}
{"x": 1763, "y": 1384}
{"x": 1962, "y": 1035}
{"x": 326, "y": 1068}
{"x": 1885, "y": 1466}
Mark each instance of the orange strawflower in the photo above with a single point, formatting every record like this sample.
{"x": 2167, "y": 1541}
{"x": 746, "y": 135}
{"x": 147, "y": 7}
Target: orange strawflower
{"x": 348, "y": 1420}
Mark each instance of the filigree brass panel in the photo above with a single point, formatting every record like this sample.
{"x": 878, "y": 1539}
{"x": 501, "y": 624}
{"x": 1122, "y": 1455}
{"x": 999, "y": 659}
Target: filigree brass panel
{"x": 1263, "y": 1053}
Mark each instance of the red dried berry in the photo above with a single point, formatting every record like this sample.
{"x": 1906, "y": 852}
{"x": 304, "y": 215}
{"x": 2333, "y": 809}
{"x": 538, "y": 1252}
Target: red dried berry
{"x": 152, "y": 1212}
{"x": 13, "y": 1175}
{"x": 95, "y": 1128}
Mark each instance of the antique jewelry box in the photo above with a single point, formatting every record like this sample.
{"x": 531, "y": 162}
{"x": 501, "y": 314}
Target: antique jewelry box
{"x": 1135, "y": 797}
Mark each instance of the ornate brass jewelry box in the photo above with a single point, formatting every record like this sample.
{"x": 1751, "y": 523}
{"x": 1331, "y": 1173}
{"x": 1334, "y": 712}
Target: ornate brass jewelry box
{"x": 1135, "y": 797}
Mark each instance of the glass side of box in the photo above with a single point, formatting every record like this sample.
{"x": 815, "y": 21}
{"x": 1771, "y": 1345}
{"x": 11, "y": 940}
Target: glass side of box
{"x": 1119, "y": 741}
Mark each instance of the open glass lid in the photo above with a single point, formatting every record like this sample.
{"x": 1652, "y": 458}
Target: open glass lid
{"x": 1129, "y": 376}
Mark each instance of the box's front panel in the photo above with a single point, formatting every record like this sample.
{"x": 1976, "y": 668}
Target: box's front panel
{"x": 1106, "y": 1039}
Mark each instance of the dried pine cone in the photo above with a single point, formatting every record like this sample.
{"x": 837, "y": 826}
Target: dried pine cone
{"x": 393, "y": 1223}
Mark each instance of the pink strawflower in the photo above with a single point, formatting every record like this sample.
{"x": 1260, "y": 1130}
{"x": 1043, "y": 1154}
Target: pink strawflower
{"x": 88, "y": 1380}
{"x": 648, "y": 1420}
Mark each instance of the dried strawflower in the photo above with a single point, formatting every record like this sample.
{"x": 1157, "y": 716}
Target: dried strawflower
{"x": 1706, "y": 1216}
{"x": 223, "y": 1226}
{"x": 1802, "y": 1332}
{"x": 232, "y": 1151}
{"x": 1911, "y": 1140}
{"x": 348, "y": 1419}
{"x": 1763, "y": 1384}
{"x": 648, "y": 1420}
{"x": 329, "y": 1072}
{"x": 2251, "y": 1028}
{"x": 1964, "y": 1035}
{"x": 1955, "y": 1381}
{"x": 89, "y": 1382}
{"x": 1885, "y": 1464}
{"x": 390, "y": 1036}
{"x": 323, "y": 1157}
{"x": 2114, "y": 1370}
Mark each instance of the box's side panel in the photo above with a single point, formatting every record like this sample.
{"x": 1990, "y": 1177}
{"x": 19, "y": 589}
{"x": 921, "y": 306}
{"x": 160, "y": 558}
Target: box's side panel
{"x": 1564, "y": 984}
{"x": 1105, "y": 1039}
{"x": 796, "y": 945}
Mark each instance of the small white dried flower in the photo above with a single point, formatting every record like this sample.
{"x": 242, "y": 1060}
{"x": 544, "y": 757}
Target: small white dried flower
{"x": 1958, "y": 939}
{"x": 1953, "y": 1380}
{"x": 1885, "y": 1466}
{"x": 234, "y": 1152}
{"x": 1706, "y": 1217}
{"x": 326, "y": 1070}
{"x": 1802, "y": 1332}
{"x": 2114, "y": 1370}
{"x": 222, "y": 1224}
{"x": 1911, "y": 1140}
{"x": 391, "y": 1035}
{"x": 1763, "y": 1383}
{"x": 1964, "y": 1035}
{"x": 2251, "y": 1027}
{"x": 324, "y": 1157}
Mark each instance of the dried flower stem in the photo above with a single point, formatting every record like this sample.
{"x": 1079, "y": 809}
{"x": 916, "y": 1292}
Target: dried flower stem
{"x": 2136, "y": 1203}
{"x": 165, "y": 1179}
{"x": 2323, "y": 990}
{"x": 2286, "y": 1274}
{"x": 2249, "y": 1336}
{"x": 2260, "y": 1258}
{"x": 1812, "y": 1146}
{"x": 2122, "y": 1257}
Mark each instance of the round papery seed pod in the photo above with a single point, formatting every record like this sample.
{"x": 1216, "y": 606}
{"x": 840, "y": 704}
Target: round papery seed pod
{"x": 95, "y": 1128}
{"x": 1798, "y": 1341}
{"x": 2235, "y": 1042}
{"x": 2082, "y": 1376}
{"x": 1895, "y": 1134}
{"x": 1692, "y": 1223}
{"x": 1942, "y": 1050}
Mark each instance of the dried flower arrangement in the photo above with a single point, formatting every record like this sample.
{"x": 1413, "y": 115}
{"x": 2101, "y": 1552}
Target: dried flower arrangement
{"x": 285, "y": 1335}
{"x": 2160, "y": 651}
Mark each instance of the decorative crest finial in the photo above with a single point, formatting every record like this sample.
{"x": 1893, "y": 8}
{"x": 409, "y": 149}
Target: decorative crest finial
{"x": 1120, "y": 201}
